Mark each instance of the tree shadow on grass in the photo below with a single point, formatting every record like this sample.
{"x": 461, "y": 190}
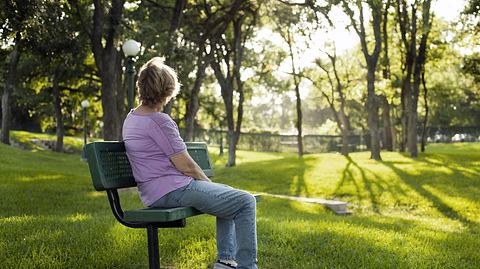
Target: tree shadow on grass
{"x": 61, "y": 221}
{"x": 270, "y": 176}
{"x": 300, "y": 188}
{"x": 347, "y": 176}
{"x": 358, "y": 241}
{"x": 374, "y": 184}
{"x": 461, "y": 165}
{"x": 416, "y": 182}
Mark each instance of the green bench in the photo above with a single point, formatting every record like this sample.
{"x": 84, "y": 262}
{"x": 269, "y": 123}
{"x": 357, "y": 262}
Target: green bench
{"x": 110, "y": 171}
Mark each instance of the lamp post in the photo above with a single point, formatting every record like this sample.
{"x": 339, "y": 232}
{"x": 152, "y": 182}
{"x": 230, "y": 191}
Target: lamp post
{"x": 130, "y": 49}
{"x": 100, "y": 124}
{"x": 84, "y": 105}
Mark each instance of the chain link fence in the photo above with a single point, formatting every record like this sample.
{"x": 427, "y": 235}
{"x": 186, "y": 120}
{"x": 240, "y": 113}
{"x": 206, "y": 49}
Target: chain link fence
{"x": 324, "y": 143}
{"x": 280, "y": 143}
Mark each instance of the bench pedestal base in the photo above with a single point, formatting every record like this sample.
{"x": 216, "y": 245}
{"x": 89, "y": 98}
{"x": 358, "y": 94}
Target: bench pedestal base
{"x": 153, "y": 252}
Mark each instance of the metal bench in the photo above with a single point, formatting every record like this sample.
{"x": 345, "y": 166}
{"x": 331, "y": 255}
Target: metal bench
{"x": 110, "y": 170}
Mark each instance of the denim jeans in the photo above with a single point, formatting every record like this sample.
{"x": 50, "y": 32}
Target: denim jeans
{"x": 236, "y": 217}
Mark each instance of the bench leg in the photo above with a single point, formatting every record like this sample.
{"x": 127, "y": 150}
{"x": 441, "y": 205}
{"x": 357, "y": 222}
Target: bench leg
{"x": 153, "y": 253}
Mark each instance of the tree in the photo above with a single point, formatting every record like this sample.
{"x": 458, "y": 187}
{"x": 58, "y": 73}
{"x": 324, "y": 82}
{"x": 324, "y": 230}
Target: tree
{"x": 336, "y": 96}
{"x": 104, "y": 33}
{"x": 453, "y": 94}
{"x": 227, "y": 52}
{"x": 54, "y": 37}
{"x": 387, "y": 122}
{"x": 15, "y": 17}
{"x": 415, "y": 57}
{"x": 407, "y": 30}
{"x": 10, "y": 80}
{"x": 471, "y": 20}
{"x": 425, "y": 119}
{"x": 472, "y": 12}
{"x": 171, "y": 40}
{"x": 371, "y": 58}
{"x": 286, "y": 19}
{"x": 198, "y": 31}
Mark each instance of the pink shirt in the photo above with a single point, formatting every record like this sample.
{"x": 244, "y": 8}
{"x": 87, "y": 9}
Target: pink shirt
{"x": 150, "y": 141}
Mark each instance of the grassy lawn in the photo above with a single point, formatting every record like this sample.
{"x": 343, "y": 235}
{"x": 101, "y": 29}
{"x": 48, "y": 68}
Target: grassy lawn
{"x": 407, "y": 213}
{"x": 24, "y": 139}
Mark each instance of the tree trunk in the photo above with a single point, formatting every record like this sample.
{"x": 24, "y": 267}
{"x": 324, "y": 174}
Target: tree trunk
{"x": 376, "y": 8}
{"x": 232, "y": 154}
{"x": 57, "y": 101}
{"x": 393, "y": 131}
{"x": 9, "y": 87}
{"x": 299, "y": 121}
{"x": 385, "y": 59}
{"x": 175, "y": 21}
{"x": 236, "y": 136}
{"x": 345, "y": 149}
{"x": 192, "y": 104}
{"x": 111, "y": 117}
{"x": 412, "y": 97}
{"x": 387, "y": 123}
{"x": 419, "y": 66}
{"x": 296, "y": 81}
{"x": 231, "y": 132}
{"x": 345, "y": 120}
{"x": 241, "y": 100}
{"x": 230, "y": 55}
{"x": 372, "y": 106}
{"x": 106, "y": 57}
{"x": 227, "y": 96}
{"x": 410, "y": 53}
{"x": 412, "y": 126}
{"x": 404, "y": 116}
{"x": 425, "y": 119}
{"x": 340, "y": 117}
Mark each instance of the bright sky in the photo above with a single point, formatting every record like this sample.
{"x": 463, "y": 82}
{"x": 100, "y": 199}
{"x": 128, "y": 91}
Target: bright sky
{"x": 448, "y": 9}
{"x": 344, "y": 39}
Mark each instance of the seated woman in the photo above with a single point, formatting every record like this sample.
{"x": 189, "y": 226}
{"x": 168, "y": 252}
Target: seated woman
{"x": 167, "y": 176}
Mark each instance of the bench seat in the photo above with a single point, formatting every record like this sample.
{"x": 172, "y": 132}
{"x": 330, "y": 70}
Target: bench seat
{"x": 160, "y": 214}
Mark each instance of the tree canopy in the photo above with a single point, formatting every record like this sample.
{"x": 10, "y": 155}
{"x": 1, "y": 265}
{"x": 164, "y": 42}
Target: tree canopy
{"x": 264, "y": 66}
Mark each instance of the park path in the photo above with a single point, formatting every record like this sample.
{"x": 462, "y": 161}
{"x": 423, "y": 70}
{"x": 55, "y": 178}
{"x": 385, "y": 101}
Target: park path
{"x": 339, "y": 207}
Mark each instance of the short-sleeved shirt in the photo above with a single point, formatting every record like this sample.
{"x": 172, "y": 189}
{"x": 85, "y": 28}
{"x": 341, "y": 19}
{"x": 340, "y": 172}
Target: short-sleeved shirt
{"x": 150, "y": 141}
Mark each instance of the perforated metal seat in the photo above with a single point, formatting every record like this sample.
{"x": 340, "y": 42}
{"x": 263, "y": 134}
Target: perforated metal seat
{"x": 160, "y": 215}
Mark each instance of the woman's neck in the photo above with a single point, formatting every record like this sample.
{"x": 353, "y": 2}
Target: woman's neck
{"x": 149, "y": 109}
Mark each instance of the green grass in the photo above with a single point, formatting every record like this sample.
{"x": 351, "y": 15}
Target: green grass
{"x": 407, "y": 213}
{"x": 24, "y": 139}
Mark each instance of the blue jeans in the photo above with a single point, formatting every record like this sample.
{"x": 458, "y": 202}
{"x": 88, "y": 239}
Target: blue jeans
{"x": 236, "y": 217}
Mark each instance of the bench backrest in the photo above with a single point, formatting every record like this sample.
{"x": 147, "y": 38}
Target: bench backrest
{"x": 199, "y": 152}
{"x": 110, "y": 168}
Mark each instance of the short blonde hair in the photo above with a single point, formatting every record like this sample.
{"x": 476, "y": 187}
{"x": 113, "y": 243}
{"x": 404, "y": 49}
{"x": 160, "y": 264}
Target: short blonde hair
{"x": 156, "y": 83}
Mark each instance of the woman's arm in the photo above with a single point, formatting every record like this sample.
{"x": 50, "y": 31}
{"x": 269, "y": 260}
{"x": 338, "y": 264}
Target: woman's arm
{"x": 185, "y": 164}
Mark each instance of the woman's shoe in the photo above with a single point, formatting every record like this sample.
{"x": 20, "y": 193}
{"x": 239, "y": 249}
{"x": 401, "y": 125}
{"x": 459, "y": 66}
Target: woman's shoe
{"x": 225, "y": 264}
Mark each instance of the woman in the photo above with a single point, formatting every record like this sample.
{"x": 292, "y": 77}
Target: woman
{"x": 167, "y": 176}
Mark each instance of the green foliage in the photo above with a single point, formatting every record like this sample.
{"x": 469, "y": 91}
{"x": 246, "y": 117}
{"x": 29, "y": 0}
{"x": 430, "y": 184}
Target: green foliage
{"x": 453, "y": 93}
{"x": 57, "y": 42}
{"x": 16, "y": 17}
{"x": 406, "y": 213}
{"x": 472, "y": 12}
{"x": 472, "y": 66}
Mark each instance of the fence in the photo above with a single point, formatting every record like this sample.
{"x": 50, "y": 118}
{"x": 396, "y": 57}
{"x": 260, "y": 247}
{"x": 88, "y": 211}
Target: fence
{"x": 280, "y": 143}
{"x": 452, "y": 133}
{"x": 323, "y": 143}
